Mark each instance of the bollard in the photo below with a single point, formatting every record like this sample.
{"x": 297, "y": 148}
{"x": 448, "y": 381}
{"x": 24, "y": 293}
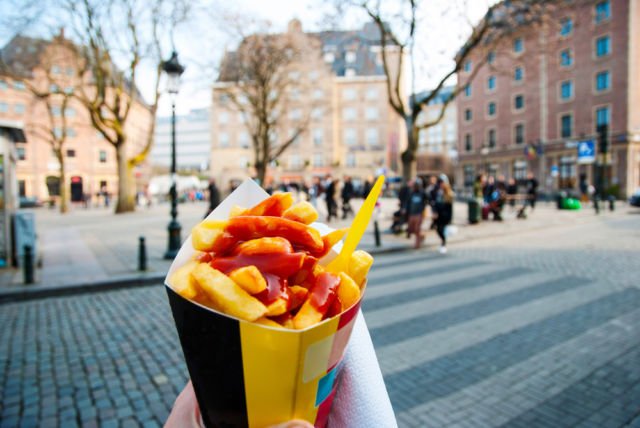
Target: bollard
{"x": 28, "y": 265}
{"x": 596, "y": 204}
{"x": 376, "y": 232}
{"x": 612, "y": 203}
{"x": 142, "y": 255}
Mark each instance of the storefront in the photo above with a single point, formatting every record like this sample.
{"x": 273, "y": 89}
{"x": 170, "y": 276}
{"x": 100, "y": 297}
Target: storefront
{"x": 10, "y": 133}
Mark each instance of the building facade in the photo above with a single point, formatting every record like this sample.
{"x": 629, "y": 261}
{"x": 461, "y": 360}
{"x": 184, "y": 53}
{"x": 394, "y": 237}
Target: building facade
{"x": 341, "y": 87}
{"x": 438, "y": 144}
{"x": 541, "y": 93}
{"x": 89, "y": 160}
{"x": 193, "y": 142}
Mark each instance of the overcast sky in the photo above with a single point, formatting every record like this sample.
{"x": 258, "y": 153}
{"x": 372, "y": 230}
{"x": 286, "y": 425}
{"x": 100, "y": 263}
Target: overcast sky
{"x": 444, "y": 25}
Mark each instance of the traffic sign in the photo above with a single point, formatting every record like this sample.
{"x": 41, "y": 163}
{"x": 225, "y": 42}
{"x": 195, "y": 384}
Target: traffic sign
{"x": 586, "y": 151}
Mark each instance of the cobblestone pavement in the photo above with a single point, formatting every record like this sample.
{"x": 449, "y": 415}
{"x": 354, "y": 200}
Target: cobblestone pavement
{"x": 536, "y": 331}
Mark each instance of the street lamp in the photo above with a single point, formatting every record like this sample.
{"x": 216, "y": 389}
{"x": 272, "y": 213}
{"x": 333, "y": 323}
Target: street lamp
{"x": 173, "y": 69}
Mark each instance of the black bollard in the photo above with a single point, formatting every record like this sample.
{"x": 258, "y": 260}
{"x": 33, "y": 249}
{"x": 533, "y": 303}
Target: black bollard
{"x": 142, "y": 255}
{"x": 612, "y": 203}
{"x": 376, "y": 232}
{"x": 596, "y": 204}
{"x": 28, "y": 265}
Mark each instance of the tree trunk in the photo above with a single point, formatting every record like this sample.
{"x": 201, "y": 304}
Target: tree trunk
{"x": 64, "y": 191}
{"x": 261, "y": 172}
{"x": 408, "y": 156}
{"x": 126, "y": 200}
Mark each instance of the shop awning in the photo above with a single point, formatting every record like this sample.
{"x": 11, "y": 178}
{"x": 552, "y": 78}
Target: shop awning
{"x": 15, "y": 131}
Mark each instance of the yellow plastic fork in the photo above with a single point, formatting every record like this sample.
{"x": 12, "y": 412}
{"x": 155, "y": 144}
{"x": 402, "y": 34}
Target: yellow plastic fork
{"x": 357, "y": 229}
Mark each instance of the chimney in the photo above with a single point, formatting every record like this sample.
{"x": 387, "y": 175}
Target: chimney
{"x": 295, "y": 26}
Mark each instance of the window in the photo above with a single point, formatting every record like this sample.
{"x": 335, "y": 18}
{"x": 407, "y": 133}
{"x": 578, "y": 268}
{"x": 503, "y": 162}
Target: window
{"x": 491, "y": 136}
{"x": 603, "y": 81}
{"x": 372, "y": 94}
{"x": 351, "y": 159}
{"x": 603, "y": 46}
{"x": 317, "y": 94}
{"x": 71, "y": 132}
{"x": 69, "y": 112}
{"x": 294, "y": 94}
{"x": 68, "y": 90}
{"x": 491, "y": 57}
{"x": 373, "y": 139}
{"x": 467, "y": 66}
{"x": 468, "y": 115}
{"x": 469, "y": 175}
{"x": 317, "y": 135}
{"x": 69, "y": 71}
{"x": 55, "y": 69}
{"x": 518, "y": 74}
{"x": 518, "y": 132}
{"x": 566, "y": 90}
{"x": 71, "y": 153}
{"x": 313, "y": 75}
{"x": 371, "y": 113}
{"x": 467, "y": 90}
{"x": 603, "y": 11}
{"x": 518, "y": 102}
{"x": 329, "y": 57}
{"x": 294, "y": 75}
{"x": 18, "y": 85}
{"x": 4, "y": 107}
{"x": 295, "y": 114}
{"x": 3, "y": 85}
{"x": 22, "y": 188}
{"x": 566, "y": 126}
{"x": 295, "y": 161}
{"x": 602, "y": 116}
{"x": 317, "y": 113}
{"x": 102, "y": 156}
{"x": 21, "y": 152}
{"x": 491, "y": 108}
{"x": 57, "y": 132}
{"x": 491, "y": 83}
{"x": 349, "y": 94}
{"x": 54, "y": 89}
{"x": 223, "y": 118}
{"x": 566, "y": 26}
{"x": 318, "y": 159}
{"x": 566, "y": 59}
{"x": 18, "y": 108}
{"x": 467, "y": 143}
{"x": 243, "y": 140}
{"x": 223, "y": 138}
{"x": 518, "y": 45}
{"x": 350, "y": 57}
{"x": 350, "y": 137}
{"x": 349, "y": 113}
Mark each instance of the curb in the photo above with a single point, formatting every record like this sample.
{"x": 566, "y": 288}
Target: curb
{"x": 40, "y": 292}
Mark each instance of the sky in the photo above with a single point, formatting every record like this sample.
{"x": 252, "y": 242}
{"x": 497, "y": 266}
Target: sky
{"x": 443, "y": 27}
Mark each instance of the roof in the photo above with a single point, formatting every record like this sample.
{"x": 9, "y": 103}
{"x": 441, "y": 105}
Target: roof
{"x": 21, "y": 55}
{"x": 349, "y": 50}
{"x": 441, "y": 97}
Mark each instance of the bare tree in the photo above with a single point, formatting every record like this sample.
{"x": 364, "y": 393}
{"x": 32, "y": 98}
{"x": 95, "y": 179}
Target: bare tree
{"x": 502, "y": 21}
{"x": 261, "y": 82}
{"x": 53, "y": 88}
{"x": 114, "y": 42}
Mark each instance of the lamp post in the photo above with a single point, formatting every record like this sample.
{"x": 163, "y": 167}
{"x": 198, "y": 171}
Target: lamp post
{"x": 173, "y": 69}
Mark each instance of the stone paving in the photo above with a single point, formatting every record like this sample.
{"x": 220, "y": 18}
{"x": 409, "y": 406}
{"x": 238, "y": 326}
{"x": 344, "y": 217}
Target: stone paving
{"x": 540, "y": 329}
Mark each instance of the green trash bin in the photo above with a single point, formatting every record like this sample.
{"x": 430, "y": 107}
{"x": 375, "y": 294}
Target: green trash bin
{"x": 474, "y": 211}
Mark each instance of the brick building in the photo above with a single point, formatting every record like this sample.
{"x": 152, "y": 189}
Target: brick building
{"x": 90, "y": 161}
{"x": 541, "y": 92}
{"x": 340, "y": 84}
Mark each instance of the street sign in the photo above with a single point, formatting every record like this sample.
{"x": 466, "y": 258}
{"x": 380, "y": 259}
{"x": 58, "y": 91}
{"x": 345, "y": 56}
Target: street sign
{"x": 586, "y": 151}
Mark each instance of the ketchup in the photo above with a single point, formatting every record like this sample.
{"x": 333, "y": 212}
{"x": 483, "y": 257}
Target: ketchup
{"x": 324, "y": 291}
{"x": 276, "y": 288}
{"x": 283, "y": 265}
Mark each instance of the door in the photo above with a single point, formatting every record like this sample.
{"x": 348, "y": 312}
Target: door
{"x": 76, "y": 189}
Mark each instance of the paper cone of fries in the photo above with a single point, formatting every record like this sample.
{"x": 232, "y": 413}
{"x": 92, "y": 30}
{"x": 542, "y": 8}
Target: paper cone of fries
{"x": 257, "y": 373}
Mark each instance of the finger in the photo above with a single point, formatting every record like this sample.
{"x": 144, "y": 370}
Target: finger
{"x": 185, "y": 412}
{"x": 294, "y": 424}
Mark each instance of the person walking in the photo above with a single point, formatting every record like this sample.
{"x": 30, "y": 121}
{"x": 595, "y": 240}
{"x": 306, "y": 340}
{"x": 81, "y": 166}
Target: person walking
{"x": 532, "y": 190}
{"x": 330, "y": 198}
{"x": 346, "y": 194}
{"x": 512, "y": 191}
{"x": 443, "y": 211}
{"x": 214, "y": 196}
{"x": 416, "y": 203}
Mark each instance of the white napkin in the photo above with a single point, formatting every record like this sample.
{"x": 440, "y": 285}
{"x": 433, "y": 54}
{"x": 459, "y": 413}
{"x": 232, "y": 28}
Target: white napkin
{"x": 362, "y": 399}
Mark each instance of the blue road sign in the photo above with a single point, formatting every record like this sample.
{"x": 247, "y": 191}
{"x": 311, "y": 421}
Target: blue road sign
{"x": 586, "y": 151}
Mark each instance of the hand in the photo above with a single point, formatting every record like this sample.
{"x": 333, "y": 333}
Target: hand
{"x": 186, "y": 413}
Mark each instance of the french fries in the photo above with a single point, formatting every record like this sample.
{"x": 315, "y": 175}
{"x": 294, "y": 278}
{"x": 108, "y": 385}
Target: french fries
{"x": 263, "y": 265}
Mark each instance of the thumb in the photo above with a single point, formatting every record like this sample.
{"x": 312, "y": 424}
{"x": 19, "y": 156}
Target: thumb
{"x": 297, "y": 423}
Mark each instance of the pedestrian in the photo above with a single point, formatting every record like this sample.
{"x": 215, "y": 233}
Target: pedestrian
{"x": 443, "y": 211}
{"x": 214, "y": 196}
{"x": 532, "y": 190}
{"x": 330, "y": 197}
{"x": 478, "y": 186}
{"x": 368, "y": 184}
{"x": 433, "y": 187}
{"x": 346, "y": 194}
{"x": 415, "y": 205}
{"x": 315, "y": 191}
